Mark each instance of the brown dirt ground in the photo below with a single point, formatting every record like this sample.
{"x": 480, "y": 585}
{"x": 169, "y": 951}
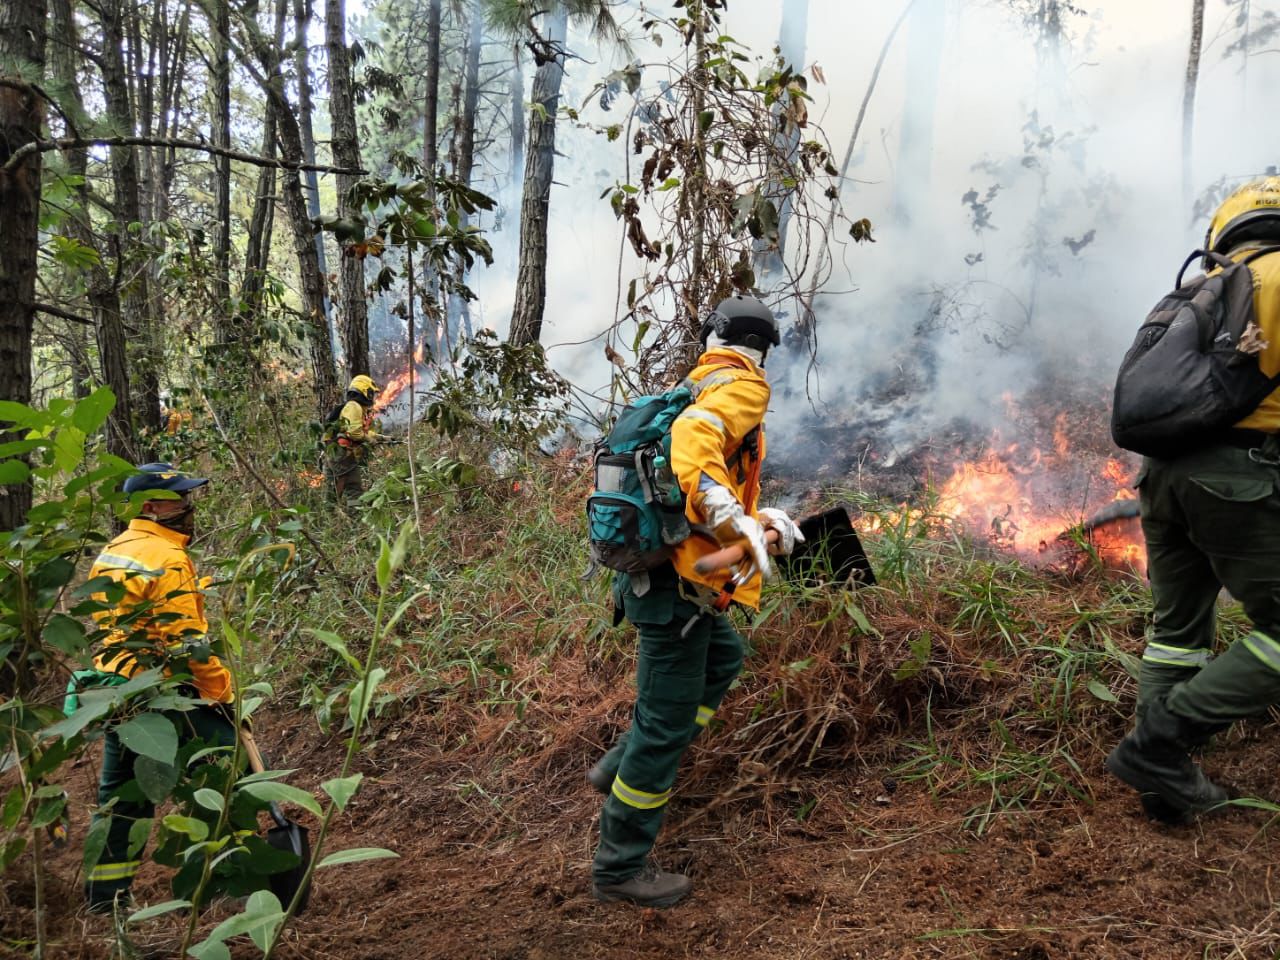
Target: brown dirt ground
{"x": 871, "y": 872}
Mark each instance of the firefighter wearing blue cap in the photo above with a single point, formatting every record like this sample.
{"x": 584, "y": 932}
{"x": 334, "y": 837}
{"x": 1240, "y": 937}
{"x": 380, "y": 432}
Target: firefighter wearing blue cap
{"x": 158, "y": 621}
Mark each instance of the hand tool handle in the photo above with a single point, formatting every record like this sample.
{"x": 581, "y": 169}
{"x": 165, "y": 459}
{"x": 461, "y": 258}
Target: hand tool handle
{"x": 727, "y": 557}
{"x": 257, "y": 765}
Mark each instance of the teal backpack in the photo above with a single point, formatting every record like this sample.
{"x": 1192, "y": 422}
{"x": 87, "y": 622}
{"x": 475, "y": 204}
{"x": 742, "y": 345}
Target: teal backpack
{"x": 635, "y": 514}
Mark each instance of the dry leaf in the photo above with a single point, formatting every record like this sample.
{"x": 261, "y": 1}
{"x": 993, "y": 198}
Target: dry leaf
{"x": 1251, "y": 342}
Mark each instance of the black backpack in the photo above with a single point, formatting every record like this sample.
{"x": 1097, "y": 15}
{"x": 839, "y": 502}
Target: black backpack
{"x": 1192, "y": 371}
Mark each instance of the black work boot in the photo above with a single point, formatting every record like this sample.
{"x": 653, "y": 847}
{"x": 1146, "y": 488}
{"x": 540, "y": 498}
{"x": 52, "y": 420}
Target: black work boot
{"x": 1155, "y": 759}
{"x": 650, "y": 887}
{"x": 603, "y": 771}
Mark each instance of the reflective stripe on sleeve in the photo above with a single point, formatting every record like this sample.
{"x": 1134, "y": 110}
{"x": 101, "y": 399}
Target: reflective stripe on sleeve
{"x": 117, "y": 562}
{"x": 1264, "y": 648}
{"x": 704, "y": 716}
{"x": 638, "y": 798}
{"x": 1176, "y": 656}
{"x": 696, "y": 413}
{"x": 114, "y": 871}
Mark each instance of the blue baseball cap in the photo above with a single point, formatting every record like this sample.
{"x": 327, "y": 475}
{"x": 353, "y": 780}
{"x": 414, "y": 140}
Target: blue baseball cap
{"x": 162, "y": 476}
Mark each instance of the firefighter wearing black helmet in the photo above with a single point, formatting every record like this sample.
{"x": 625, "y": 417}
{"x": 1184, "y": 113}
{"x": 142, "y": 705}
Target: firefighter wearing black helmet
{"x": 1211, "y": 518}
{"x": 689, "y": 652}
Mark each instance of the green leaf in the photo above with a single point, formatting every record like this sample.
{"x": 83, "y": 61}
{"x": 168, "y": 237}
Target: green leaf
{"x": 355, "y": 855}
{"x": 12, "y": 850}
{"x": 13, "y": 471}
{"x": 95, "y": 841}
{"x": 150, "y": 735}
{"x": 336, "y": 644}
{"x": 401, "y": 547}
{"x": 266, "y": 775}
{"x": 48, "y": 812}
{"x": 261, "y": 917}
{"x": 197, "y": 830}
{"x": 13, "y": 412}
{"x": 269, "y": 791}
{"x": 139, "y": 833}
{"x": 342, "y": 789}
{"x": 362, "y": 696}
{"x": 383, "y": 567}
{"x": 15, "y": 801}
{"x": 210, "y": 799}
{"x": 209, "y": 949}
{"x": 65, "y": 634}
{"x": 1102, "y": 691}
{"x": 92, "y": 412}
{"x": 158, "y": 910}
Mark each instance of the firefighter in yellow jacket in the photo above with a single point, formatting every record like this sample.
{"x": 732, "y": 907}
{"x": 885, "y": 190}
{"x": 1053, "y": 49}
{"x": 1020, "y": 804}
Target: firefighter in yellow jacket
{"x": 158, "y": 621}
{"x": 348, "y": 433}
{"x": 689, "y": 652}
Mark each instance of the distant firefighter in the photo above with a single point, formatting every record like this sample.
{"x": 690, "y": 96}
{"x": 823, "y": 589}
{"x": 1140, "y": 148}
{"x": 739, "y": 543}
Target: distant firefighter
{"x": 348, "y": 432}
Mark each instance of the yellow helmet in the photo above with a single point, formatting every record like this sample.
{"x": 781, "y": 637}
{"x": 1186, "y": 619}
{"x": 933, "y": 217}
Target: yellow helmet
{"x": 364, "y": 386}
{"x": 1252, "y": 212}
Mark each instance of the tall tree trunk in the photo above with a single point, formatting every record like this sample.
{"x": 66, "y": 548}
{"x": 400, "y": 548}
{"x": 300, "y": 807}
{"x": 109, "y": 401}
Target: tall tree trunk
{"x": 459, "y": 312}
{"x": 220, "y": 82}
{"x": 128, "y": 208}
{"x": 346, "y": 153}
{"x": 291, "y": 151}
{"x": 302, "y": 64}
{"x": 1189, "y": 99}
{"x": 517, "y": 116}
{"x": 431, "y": 98}
{"x": 101, "y": 289}
{"x": 531, "y": 275}
{"x": 22, "y": 34}
{"x": 697, "y": 177}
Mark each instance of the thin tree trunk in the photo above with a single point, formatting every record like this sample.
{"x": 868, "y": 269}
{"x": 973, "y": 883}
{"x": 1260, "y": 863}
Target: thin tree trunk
{"x": 22, "y": 35}
{"x": 697, "y": 177}
{"x": 517, "y": 116}
{"x": 431, "y": 101}
{"x": 531, "y": 275}
{"x": 302, "y": 63}
{"x": 291, "y": 150}
{"x": 101, "y": 290}
{"x": 220, "y": 82}
{"x": 459, "y": 315}
{"x": 346, "y": 153}
{"x": 124, "y": 175}
{"x": 1189, "y": 99}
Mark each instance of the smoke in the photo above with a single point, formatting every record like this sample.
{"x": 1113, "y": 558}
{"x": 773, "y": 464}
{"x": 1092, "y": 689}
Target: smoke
{"x": 1027, "y": 205}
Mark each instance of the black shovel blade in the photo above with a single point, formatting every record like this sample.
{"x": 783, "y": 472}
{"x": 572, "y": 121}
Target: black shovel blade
{"x": 831, "y": 552}
{"x": 291, "y": 838}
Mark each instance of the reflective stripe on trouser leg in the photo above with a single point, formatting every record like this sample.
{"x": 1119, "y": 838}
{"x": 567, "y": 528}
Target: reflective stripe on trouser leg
{"x": 639, "y": 798}
{"x": 105, "y": 872}
{"x": 1167, "y": 655}
{"x": 704, "y": 716}
{"x": 1240, "y": 683}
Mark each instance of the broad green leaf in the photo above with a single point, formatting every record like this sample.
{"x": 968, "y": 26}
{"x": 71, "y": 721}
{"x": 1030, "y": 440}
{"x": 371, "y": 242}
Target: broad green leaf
{"x": 383, "y": 566}
{"x": 268, "y": 790}
{"x": 91, "y": 412}
{"x": 14, "y": 471}
{"x": 336, "y": 644}
{"x": 150, "y": 735}
{"x": 262, "y": 915}
{"x": 361, "y": 696}
{"x": 401, "y": 547}
{"x": 342, "y": 789}
{"x": 15, "y": 801}
{"x": 355, "y": 855}
{"x": 19, "y": 413}
{"x": 1102, "y": 692}
{"x": 95, "y": 841}
{"x": 48, "y": 812}
{"x": 197, "y": 830}
{"x": 12, "y": 849}
{"x": 63, "y": 633}
{"x": 266, "y": 775}
{"x": 158, "y": 910}
{"x": 210, "y": 799}
{"x": 139, "y": 833}
{"x": 209, "y": 949}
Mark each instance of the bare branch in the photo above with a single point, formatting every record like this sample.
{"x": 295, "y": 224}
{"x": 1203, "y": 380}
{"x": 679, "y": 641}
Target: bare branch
{"x": 77, "y": 143}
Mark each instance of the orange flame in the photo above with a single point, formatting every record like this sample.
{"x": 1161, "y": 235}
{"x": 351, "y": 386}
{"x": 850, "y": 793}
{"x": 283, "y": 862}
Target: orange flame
{"x": 396, "y": 385}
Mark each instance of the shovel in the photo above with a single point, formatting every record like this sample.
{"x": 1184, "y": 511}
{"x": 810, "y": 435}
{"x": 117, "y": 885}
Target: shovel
{"x": 831, "y": 553}
{"x": 285, "y": 835}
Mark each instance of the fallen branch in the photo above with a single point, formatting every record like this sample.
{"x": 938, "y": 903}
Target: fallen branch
{"x": 76, "y": 143}
{"x": 64, "y": 314}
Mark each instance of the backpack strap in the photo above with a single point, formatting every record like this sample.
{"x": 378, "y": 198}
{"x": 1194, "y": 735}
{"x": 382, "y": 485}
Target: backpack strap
{"x": 1209, "y": 257}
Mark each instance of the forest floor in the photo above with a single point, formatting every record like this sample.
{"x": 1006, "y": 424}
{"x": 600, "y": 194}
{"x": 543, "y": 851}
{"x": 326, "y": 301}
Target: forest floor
{"x": 876, "y": 868}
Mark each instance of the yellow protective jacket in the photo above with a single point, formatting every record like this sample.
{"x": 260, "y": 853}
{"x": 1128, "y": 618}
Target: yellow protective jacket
{"x": 355, "y": 424}
{"x": 1266, "y": 308}
{"x": 705, "y": 440}
{"x": 162, "y": 597}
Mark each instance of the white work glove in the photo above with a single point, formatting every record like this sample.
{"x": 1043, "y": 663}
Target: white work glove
{"x": 731, "y": 525}
{"x": 771, "y": 518}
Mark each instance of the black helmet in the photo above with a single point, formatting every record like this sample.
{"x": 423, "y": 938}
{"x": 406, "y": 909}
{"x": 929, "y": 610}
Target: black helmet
{"x": 162, "y": 476}
{"x": 742, "y": 322}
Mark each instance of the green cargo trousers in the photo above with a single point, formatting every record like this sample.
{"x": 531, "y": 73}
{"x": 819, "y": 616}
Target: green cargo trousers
{"x": 1212, "y": 520}
{"x": 117, "y": 866}
{"x": 680, "y": 681}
